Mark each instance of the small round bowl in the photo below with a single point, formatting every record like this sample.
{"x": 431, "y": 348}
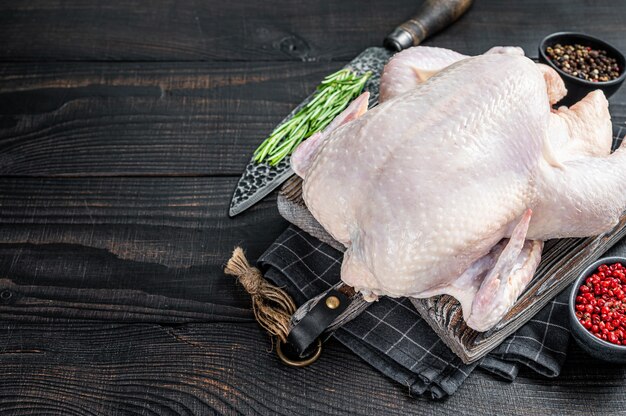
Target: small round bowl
{"x": 596, "y": 347}
{"x": 577, "y": 88}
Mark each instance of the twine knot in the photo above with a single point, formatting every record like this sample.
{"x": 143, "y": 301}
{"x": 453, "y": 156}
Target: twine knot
{"x": 271, "y": 305}
{"x": 250, "y": 278}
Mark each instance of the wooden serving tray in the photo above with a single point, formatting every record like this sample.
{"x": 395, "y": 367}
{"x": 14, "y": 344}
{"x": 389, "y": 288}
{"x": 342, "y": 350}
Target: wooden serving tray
{"x": 562, "y": 261}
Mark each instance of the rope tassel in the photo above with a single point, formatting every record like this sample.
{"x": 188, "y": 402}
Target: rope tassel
{"x": 271, "y": 305}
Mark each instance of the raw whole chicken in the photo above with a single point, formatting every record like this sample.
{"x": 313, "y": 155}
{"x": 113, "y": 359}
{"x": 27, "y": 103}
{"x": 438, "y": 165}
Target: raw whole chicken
{"x": 452, "y": 183}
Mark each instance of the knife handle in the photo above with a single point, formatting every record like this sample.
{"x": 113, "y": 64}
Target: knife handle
{"x": 432, "y": 17}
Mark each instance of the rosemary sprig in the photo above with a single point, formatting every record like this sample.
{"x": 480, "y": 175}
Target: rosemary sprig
{"x": 332, "y": 96}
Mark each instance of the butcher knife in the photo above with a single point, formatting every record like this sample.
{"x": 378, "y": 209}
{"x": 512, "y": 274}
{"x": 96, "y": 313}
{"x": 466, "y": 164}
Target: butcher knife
{"x": 259, "y": 179}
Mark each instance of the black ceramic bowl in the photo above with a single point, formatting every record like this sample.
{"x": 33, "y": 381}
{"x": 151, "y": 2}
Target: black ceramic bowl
{"x": 577, "y": 88}
{"x": 596, "y": 347}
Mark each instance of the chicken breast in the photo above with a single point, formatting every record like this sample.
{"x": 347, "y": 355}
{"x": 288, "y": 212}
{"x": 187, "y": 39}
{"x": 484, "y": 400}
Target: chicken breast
{"x": 452, "y": 183}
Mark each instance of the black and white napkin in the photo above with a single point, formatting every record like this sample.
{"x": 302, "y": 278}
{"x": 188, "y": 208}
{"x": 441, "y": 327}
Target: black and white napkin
{"x": 392, "y": 337}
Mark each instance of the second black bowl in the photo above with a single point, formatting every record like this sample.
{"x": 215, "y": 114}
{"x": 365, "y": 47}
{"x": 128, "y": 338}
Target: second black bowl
{"x": 597, "y": 348}
{"x": 577, "y": 88}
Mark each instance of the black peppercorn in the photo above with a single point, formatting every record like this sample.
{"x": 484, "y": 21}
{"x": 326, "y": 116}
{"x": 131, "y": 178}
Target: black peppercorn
{"x": 584, "y": 62}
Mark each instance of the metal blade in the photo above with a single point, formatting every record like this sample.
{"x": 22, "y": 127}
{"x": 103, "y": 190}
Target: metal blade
{"x": 260, "y": 179}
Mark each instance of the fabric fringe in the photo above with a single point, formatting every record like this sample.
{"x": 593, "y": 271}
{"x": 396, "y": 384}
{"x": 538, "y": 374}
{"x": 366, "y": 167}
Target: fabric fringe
{"x": 272, "y": 306}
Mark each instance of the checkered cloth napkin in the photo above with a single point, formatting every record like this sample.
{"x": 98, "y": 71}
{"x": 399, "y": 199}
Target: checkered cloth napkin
{"x": 391, "y": 336}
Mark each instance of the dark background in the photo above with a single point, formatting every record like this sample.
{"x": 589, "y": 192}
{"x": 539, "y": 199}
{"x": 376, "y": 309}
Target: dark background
{"x": 124, "y": 126}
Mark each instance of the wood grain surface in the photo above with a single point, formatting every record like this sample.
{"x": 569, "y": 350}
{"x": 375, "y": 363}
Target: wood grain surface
{"x": 123, "y": 128}
{"x": 197, "y": 369}
{"x": 248, "y": 30}
{"x": 123, "y": 119}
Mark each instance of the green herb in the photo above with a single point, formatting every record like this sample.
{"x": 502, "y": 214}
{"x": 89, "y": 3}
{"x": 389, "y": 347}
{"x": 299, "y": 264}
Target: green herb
{"x": 332, "y": 96}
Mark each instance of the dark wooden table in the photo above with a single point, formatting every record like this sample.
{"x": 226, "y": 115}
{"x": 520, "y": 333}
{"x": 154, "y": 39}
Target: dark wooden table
{"x": 124, "y": 126}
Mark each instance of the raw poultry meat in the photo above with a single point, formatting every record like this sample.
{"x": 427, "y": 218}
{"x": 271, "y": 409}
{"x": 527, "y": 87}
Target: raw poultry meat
{"x": 452, "y": 183}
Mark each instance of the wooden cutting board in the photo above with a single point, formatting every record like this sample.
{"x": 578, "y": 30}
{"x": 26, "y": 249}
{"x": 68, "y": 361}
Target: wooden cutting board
{"x": 562, "y": 261}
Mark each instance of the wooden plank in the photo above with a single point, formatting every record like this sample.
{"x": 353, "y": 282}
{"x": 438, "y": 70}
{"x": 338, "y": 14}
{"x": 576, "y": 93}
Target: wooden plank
{"x": 113, "y": 119}
{"x": 104, "y": 119}
{"x": 37, "y": 30}
{"x": 122, "y": 248}
{"x": 167, "y": 30}
{"x": 50, "y": 303}
{"x": 561, "y": 263}
{"x": 230, "y": 369}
